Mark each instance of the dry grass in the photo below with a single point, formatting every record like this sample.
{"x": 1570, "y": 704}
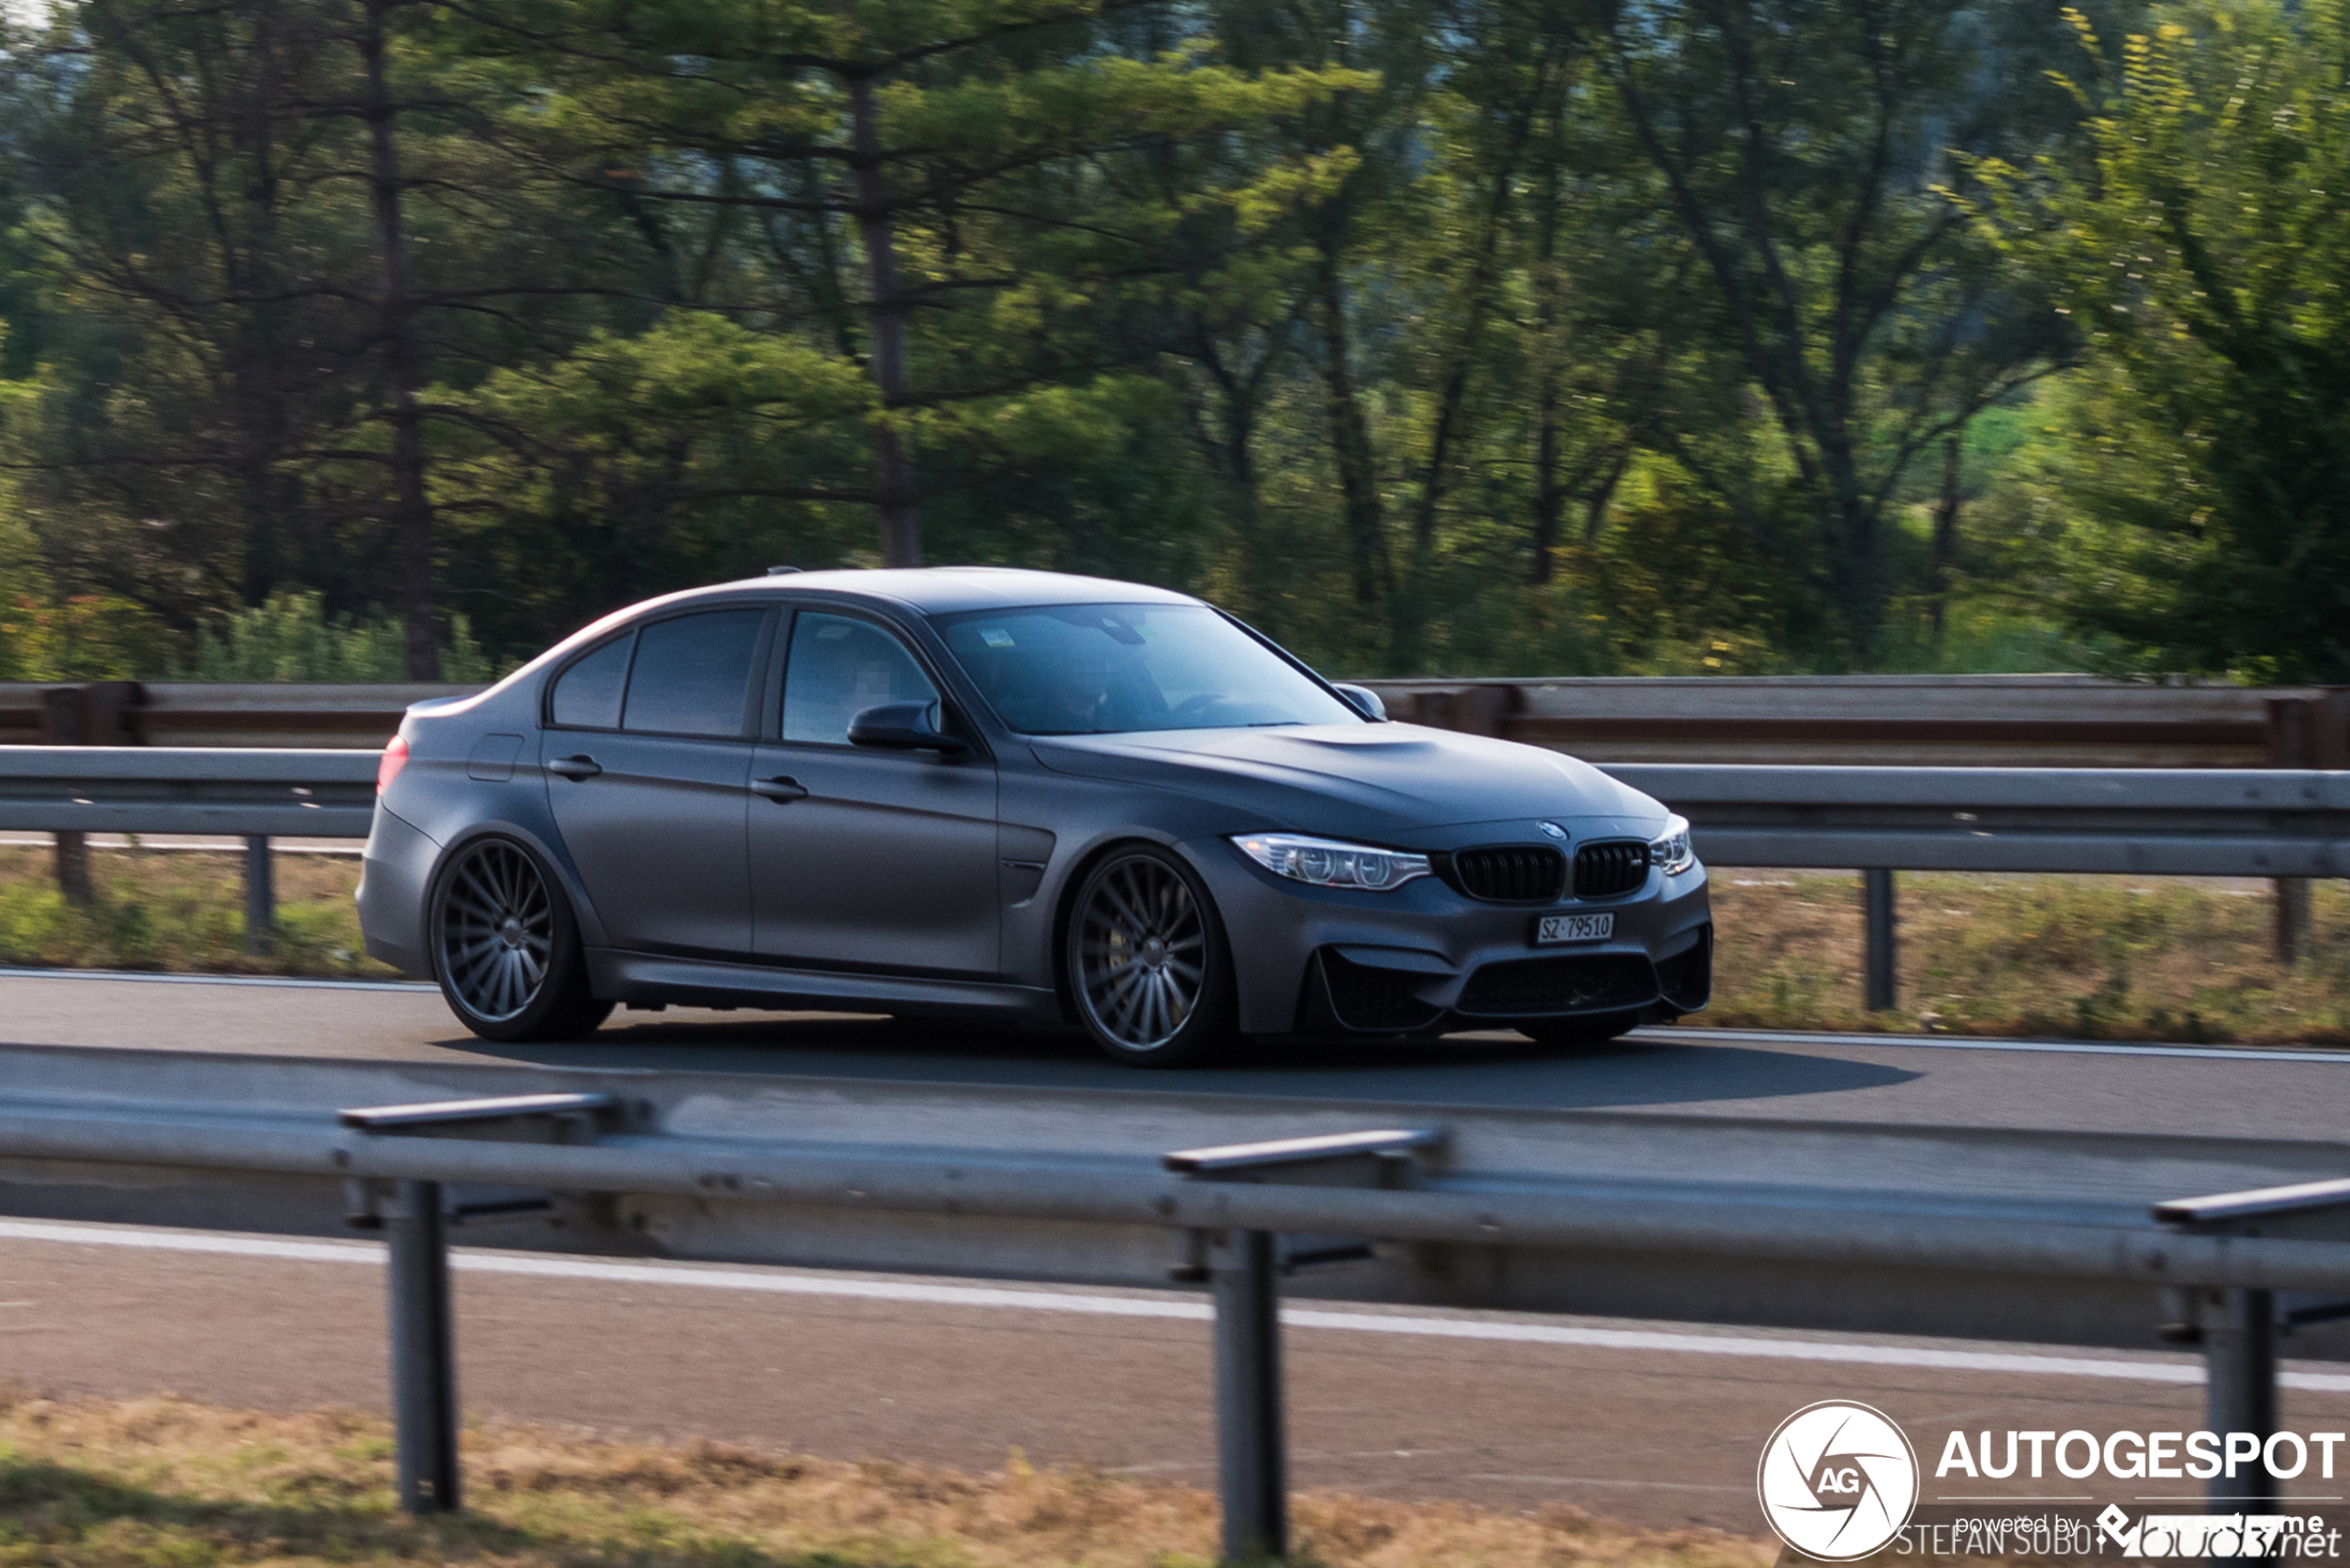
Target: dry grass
{"x": 158, "y": 909}
{"x": 2095, "y": 957}
{"x": 166, "y": 1484}
{"x": 2079, "y": 957}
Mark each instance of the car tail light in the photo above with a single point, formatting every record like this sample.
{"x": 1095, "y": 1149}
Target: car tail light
{"x": 395, "y": 758}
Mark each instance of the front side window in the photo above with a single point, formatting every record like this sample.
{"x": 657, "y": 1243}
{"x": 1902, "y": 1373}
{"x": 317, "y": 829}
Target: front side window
{"x": 692, "y": 674}
{"x": 836, "y": 669}
{"x": 1107, "y": 669}
{"x": 588, "y": 694}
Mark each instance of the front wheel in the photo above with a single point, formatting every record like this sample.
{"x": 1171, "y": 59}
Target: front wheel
{"x": 1147, "y": 966}
{"x": 505, "y": 947}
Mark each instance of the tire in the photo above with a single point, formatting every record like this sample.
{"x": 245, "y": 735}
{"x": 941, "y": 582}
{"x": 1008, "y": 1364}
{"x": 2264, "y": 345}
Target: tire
{"x": 1149, "y": 974}
{"x": 1586, "y": 1034}
{"x": 505, "y": 946}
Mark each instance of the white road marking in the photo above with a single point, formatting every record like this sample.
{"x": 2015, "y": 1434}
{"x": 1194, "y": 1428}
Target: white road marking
{"x": 292, "y": 981}
{"x": 1683, "y": 1035}
{"x": 785, "y": 1283}
{"x": 1698, "y": 1036}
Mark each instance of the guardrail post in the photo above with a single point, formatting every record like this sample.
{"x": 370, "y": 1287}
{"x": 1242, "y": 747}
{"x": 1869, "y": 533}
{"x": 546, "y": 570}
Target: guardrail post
{"x": 2304, "y": 731}
{"x": 424, "y": 1340}
{"x": 2238, "y": 1325}
{"x": 424, "y": 1350}
{"x": 261, "y": 894}
{"x": 2240, "y": 1392}
{"x": 1877, "y": 938}
{"x": 1243, "y": 1269}
{"x": 73, "y": 869}
{"x": 2293, "y": 919}
{"x": 1250, "y": 1446}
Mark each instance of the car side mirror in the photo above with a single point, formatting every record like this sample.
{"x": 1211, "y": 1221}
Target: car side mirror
{"x": 1365, "y": 700}
{"x": 904, "y": 726}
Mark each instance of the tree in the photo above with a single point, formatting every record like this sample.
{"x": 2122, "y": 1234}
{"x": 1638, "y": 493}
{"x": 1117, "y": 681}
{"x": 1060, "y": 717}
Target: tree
{"x": 1798, "y": 144}
{"x": 2203, "y": 243}
{"x": 992, "y": 160}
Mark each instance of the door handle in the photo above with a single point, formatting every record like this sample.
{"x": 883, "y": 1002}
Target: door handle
{"x": 575, "y": 767}
{"x": 779, "y": 788}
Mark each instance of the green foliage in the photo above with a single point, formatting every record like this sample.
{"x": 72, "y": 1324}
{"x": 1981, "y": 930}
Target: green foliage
{"x": 1489, "y": 337}
{"x": 290, "y": 639}
{"x": 2203, "y": 242}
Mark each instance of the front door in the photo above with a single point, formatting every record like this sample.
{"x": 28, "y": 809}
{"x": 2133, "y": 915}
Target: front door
{"x": 647, "y": 760}
{"x": 862, "y": 860}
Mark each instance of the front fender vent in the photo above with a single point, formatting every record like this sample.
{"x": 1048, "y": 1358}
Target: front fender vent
{"x": 1513, "y": 874}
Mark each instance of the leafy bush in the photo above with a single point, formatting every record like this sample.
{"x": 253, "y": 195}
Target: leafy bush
{"x": 292, "y": 638}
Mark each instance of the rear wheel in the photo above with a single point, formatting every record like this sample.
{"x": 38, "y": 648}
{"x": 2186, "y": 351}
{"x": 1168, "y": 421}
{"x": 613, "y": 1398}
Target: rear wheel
{"x": 1147, "y": 965}
{"x": 1586, "y": 1034}
{"x": 506, "y": 949}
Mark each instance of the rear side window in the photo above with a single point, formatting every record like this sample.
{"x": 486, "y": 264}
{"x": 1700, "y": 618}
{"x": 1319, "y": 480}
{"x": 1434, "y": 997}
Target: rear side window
{"x": 838, "y": 669}
{"x": 693, "y": 674}
{"x": 588, "y": 694}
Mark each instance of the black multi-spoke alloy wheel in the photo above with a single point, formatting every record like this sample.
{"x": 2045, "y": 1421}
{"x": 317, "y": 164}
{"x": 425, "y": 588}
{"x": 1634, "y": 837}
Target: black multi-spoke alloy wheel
{"x": 1585, "y": 1034}
{"x": 506, "y": 948}
{"x": 1147, "y": 966}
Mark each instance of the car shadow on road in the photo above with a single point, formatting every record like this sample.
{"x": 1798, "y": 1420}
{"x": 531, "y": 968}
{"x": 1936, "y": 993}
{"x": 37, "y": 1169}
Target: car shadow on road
{"x": 1491, "y": 1068}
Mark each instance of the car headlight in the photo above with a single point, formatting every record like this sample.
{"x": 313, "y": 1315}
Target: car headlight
{"x": 1671, "y": 849}
{"x": 1327, "y": 862}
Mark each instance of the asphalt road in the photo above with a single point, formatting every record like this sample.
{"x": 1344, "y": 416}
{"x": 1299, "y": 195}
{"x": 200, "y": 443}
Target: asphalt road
{"x": 2172, "y": 1089}
{"x": 1664, "y": 1430}
{"x": 1660, "y": 1424}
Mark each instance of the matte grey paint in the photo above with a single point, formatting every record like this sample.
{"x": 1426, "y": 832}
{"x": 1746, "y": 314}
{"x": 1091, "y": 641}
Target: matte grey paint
{"x": 912, "y": 883}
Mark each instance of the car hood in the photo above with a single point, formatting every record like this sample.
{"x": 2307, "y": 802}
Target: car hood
{"x": 1354, "y": 778}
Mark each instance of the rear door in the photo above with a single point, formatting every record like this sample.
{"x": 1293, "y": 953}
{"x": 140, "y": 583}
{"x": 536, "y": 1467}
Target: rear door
{"x": 648, "y": 751}
{"x": 862, "y": 860}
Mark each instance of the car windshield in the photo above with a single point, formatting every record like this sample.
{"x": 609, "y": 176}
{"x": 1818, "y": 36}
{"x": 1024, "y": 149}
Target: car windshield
{"x": 1107, "y": 668}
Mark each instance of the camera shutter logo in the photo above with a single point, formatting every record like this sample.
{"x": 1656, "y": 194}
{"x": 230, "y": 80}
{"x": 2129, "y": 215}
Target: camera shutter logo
{"x": 1838, "y": 1480}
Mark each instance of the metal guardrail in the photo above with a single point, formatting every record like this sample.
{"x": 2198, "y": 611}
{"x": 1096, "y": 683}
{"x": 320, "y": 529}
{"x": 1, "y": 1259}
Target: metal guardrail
{"x": 1964, "y": 720}
{"x": 2247, "y": 823}
{"x": 1967, "y": 720}
{"x": 1485, "y": 1210}
{"x": 209, "y": 713}
{"x": 73, "y": 791}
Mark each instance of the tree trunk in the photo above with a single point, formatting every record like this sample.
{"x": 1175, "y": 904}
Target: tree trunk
{"x": 901, "y": 528}
{"x": 1550, "y": 496}
{"x": 1351, "y": 442}
{"x": 1946, "y": 535}
{"x": 411, "y": 509}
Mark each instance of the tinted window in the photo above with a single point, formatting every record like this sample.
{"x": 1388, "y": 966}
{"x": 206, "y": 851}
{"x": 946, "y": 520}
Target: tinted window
{"x": 1102, "y": 669}
{"x": 693, "y": 674}
{"x": 588, "y": 694}
{"x": 838, "y": 669}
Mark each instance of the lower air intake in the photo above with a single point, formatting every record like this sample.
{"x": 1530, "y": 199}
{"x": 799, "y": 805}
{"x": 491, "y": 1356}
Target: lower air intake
{"x": 1375, "y": 1001}
{"x": 1687, "y": 978}
{"x": 1587, "y": 983}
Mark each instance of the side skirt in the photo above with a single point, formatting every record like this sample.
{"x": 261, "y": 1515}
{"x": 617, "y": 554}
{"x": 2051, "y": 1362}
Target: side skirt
{"x": 643, "y": 977}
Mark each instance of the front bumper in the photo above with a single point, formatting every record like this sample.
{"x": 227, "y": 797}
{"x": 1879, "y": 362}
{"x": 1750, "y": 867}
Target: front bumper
{"x": 1425, "y": 958}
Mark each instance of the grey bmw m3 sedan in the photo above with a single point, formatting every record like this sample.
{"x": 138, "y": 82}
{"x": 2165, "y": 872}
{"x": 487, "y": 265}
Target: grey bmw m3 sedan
{"x": 993, "y": 793}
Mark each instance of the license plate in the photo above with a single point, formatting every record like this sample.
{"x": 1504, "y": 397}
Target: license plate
{"x": 1574, "y": 928}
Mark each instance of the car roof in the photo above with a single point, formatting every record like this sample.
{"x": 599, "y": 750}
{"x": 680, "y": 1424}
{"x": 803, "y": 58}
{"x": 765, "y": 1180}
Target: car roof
{"x": 937, "y": 591}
